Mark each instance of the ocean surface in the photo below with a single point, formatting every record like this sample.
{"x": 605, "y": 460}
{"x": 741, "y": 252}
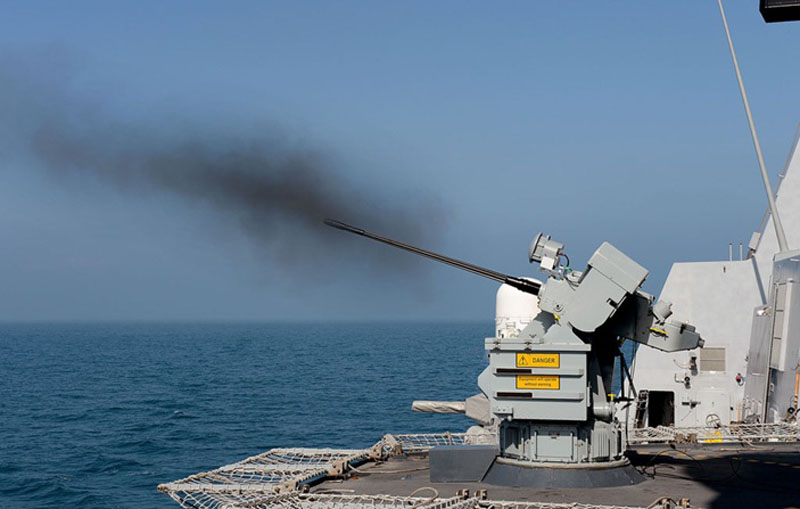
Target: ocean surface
{"x": 98, "y": 414}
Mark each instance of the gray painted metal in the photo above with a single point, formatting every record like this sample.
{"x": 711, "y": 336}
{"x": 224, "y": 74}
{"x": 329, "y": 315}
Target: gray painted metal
{"x": 504, "y": 473}
{"x": 718, "y": 298}
{"x": 548, "y": 387}
{"x": 554, "y": 377}
{"x": 461, "y": 463}
{"x": 774, "y": 355}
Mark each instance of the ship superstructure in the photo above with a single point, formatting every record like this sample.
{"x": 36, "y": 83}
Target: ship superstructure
{"x": 748, "y": 370}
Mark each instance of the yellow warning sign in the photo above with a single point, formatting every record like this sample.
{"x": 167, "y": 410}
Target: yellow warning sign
{"x": 538, "y": 360}
{"x": 541, "y": 382}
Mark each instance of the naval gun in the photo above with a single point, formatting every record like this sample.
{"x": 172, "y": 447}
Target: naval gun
{"x": 549, "y": 385}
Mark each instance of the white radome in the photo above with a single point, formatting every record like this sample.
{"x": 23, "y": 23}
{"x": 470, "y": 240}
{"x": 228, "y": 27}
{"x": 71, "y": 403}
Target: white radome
{"x": 514, "y": 311}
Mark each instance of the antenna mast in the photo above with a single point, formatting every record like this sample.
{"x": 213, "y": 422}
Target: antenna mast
{"x": 776, "y": 220}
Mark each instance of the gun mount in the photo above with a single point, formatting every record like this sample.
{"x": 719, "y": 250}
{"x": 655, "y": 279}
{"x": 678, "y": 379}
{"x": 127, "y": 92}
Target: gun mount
{"x": 548, "y": 387}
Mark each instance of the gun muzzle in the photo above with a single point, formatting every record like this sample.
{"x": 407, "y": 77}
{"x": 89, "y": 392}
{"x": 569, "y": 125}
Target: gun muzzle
{"x": 343, "y": 226}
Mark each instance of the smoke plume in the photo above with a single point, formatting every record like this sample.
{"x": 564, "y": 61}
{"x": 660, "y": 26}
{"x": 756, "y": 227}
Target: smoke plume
{"x": 277, "y": 193}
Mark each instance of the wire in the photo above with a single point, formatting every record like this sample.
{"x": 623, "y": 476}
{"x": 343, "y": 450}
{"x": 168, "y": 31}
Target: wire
{"x": 734, "y": 462}
{"x": 776, "y": 218}
{"x": 681, "y": 366}
{"x": 434, "y": 490}
{"x": 627, "y": 372}
{"x": 401, "y": 471}
{"x": 427, "y": 501}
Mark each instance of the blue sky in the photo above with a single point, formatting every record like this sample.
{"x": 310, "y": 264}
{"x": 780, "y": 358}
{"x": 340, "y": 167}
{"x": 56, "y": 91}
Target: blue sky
{"x": 590, "y": 121}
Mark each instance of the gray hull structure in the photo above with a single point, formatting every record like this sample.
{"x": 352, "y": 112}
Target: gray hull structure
{"x": 744, "y": 362}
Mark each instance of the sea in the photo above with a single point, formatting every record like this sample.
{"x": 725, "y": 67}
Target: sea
{"x": 96, "y": 415}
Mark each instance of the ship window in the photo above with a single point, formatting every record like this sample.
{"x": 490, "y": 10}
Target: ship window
{"x": 712, "y": 359}
{"x": 661, "y": 409}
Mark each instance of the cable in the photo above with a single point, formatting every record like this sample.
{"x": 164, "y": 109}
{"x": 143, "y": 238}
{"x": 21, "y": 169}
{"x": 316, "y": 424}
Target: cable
{"x": 734, "y": 462}
{"x": 643, "y": 471}
{"x": 627, "y": 372}
{"x": 682, "y": 367}
{"x": 401, "y": 471}
{"x": 426, "y": 501}
{"x": 776, "y": 218}
{"x": 423, "y": 488}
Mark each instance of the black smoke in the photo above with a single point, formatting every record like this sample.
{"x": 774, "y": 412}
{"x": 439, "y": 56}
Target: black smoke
{"x": 276, "y": 192}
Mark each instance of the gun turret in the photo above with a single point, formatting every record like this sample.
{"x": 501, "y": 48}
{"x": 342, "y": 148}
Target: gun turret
{"x": 524, "y": 285}
{"x": 547, "y": 386}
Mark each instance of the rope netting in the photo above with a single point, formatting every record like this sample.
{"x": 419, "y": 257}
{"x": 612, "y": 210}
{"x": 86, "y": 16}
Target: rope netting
{"x": 344, "y": 501}
{"x": 419, "y": 443}
{"x": 299, "y": 501}
{"x": 729, "y": 433}
{"x": 279, "y": 477}
{"x": 250, "y": 480}
{"x": 333, "y": 501}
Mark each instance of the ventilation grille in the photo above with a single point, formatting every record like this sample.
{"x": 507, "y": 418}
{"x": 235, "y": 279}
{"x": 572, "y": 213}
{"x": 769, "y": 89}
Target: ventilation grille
{"x": 712, "y": 359}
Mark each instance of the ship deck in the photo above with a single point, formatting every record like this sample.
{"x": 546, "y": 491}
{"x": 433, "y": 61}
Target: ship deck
{"x": 763, "y": 475}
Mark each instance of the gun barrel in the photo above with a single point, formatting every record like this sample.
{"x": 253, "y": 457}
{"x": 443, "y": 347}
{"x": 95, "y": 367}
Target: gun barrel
{"x": 518, "y": 283}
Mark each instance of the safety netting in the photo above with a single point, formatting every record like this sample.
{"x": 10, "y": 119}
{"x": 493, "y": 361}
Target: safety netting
{"x": 252, "y": 480}
{"x": 346, "y": 501}
{"x": 280, "y": 478}
{"x": 419, "y": 443}
{"x": 778, "y": 432}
